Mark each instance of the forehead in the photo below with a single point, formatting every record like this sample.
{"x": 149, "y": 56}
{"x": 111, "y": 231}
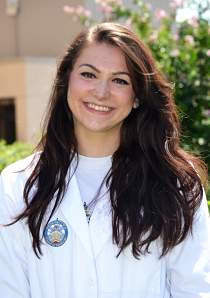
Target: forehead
{"x": 103, "y": 56}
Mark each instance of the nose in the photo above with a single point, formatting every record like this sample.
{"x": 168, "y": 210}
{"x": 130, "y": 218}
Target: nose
{"x": 102, "y": 91}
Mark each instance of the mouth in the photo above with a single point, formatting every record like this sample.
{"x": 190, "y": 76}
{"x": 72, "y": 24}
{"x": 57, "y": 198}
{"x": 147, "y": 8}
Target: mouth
{"x": 98, "y": 108}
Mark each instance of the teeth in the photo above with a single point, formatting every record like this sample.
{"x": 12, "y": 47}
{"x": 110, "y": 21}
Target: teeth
{"x": 97, "y": 108}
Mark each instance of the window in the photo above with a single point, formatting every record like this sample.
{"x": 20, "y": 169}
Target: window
{"x": 7, "y": 120}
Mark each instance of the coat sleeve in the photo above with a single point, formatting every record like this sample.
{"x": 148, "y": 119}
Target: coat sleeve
{"x": 188, "y": 264}
{"x": 13, "y": 263}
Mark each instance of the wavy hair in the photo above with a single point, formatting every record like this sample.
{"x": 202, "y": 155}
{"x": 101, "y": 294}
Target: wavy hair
{"x": 154, "y": 186}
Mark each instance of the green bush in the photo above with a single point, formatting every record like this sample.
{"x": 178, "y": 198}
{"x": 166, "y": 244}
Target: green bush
{"x": 13, "y": 152}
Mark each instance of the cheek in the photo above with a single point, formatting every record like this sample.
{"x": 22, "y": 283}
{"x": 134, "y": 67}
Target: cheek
{"x": 72, "y": 102}
{"x": 69, "y": 98}
{"x": 72, "y": 94}
{"x": 128, "y": 100}
{"x": 75, "y": 105}
{"x": 78, "y": 90}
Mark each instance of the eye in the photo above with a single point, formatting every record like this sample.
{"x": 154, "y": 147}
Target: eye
{"x": 120, "y": 81}
{"x": 88, "y": 75}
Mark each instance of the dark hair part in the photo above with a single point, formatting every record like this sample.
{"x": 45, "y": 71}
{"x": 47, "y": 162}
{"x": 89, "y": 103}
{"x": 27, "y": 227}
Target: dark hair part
{"x": 154, "y": 187}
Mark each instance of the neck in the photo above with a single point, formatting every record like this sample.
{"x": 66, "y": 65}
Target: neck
{"x": 95, "y": 144}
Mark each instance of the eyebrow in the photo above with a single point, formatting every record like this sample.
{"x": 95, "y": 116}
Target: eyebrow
{"x": 97, "y": 70}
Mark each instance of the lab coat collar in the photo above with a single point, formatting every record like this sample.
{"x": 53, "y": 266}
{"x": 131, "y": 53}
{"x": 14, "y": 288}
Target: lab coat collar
{"x": 100, "y": 223}
{"x": 94, "y": 236}
{"x": 73, "y": 210}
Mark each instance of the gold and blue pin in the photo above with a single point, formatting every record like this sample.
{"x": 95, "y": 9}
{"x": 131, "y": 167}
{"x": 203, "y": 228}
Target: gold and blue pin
{"x": 56, "y": 233}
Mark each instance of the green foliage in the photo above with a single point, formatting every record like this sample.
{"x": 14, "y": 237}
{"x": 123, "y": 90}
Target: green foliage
{"x": 13, "y": 152}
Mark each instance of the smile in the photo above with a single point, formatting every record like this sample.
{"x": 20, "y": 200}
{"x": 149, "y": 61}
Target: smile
{"x": 97, "y": 108}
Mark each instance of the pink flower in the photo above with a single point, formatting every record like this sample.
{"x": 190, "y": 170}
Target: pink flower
{"x": 119, "y": 2}
{"x": 161, "y": 14}
{"x": 128, "y": 22}
{"x": 208, "y": 53}
{"x": 176, "y": 4}
{"x": 173, "y": 5}
{"x": 193, "y": 22}
{"x": 175, "y": 53}
{"x": 148, "y": 6}
{"x": 106, "y": 9}
{"x": 153, "y": 36}
{"x": 190, "y": 39}
{"x": 80, "y": 9}
{"x": 75, "y": 19}
{"x": 68, "y": 9}
{"x": 175, "y": 37}
{"x": 179, "y": 2}
{"x": 103, "y": 3}
{"x": 88, "y": 13}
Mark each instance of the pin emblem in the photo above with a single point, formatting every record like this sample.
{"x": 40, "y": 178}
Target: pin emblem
{"x": 56, "y": 233}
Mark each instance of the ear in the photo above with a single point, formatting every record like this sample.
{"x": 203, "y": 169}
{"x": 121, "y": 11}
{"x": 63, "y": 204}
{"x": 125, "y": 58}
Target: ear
{"x": 136, "y": 103}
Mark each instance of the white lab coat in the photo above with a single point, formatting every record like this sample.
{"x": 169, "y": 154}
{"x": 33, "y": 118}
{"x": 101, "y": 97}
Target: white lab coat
{"x": 85, "y": 266}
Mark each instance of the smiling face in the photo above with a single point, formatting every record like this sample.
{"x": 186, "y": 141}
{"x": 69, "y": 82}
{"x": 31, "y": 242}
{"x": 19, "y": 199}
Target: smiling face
{"x": 100, "y": 93}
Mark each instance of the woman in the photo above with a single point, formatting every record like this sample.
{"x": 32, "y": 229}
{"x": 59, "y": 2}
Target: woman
{"x": 110, "y": 206}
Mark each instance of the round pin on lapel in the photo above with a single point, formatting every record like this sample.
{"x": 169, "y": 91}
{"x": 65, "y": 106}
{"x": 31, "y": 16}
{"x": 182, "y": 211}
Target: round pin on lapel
{"x": 56, "y": 233}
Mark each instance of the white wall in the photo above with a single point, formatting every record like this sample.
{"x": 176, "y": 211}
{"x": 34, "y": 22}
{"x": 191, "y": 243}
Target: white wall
{"x": 39, "y": 75}
{"x": 28, "y": 81}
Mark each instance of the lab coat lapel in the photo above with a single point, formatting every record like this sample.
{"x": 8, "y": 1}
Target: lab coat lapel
{"x": 73, "y": 210}
{"x": 101, "y": 224}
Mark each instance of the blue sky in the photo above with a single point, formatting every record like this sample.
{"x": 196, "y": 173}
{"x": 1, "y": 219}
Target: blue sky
{"x": 186, "y": 13}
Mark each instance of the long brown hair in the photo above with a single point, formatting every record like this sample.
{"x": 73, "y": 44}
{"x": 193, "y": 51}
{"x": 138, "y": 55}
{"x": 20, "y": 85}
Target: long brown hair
{"x": 154, "y": 187}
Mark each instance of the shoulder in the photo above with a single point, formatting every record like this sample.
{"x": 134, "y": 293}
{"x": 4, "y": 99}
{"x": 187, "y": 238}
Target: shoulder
{"x": 21, "y": 165}
{"x": 12, "y": 182}
{"x": 20, "y": 170}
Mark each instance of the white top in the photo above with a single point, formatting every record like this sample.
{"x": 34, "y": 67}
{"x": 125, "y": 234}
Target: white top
{"x": 84, "y": 263}
{"x": 90, "y": 174}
